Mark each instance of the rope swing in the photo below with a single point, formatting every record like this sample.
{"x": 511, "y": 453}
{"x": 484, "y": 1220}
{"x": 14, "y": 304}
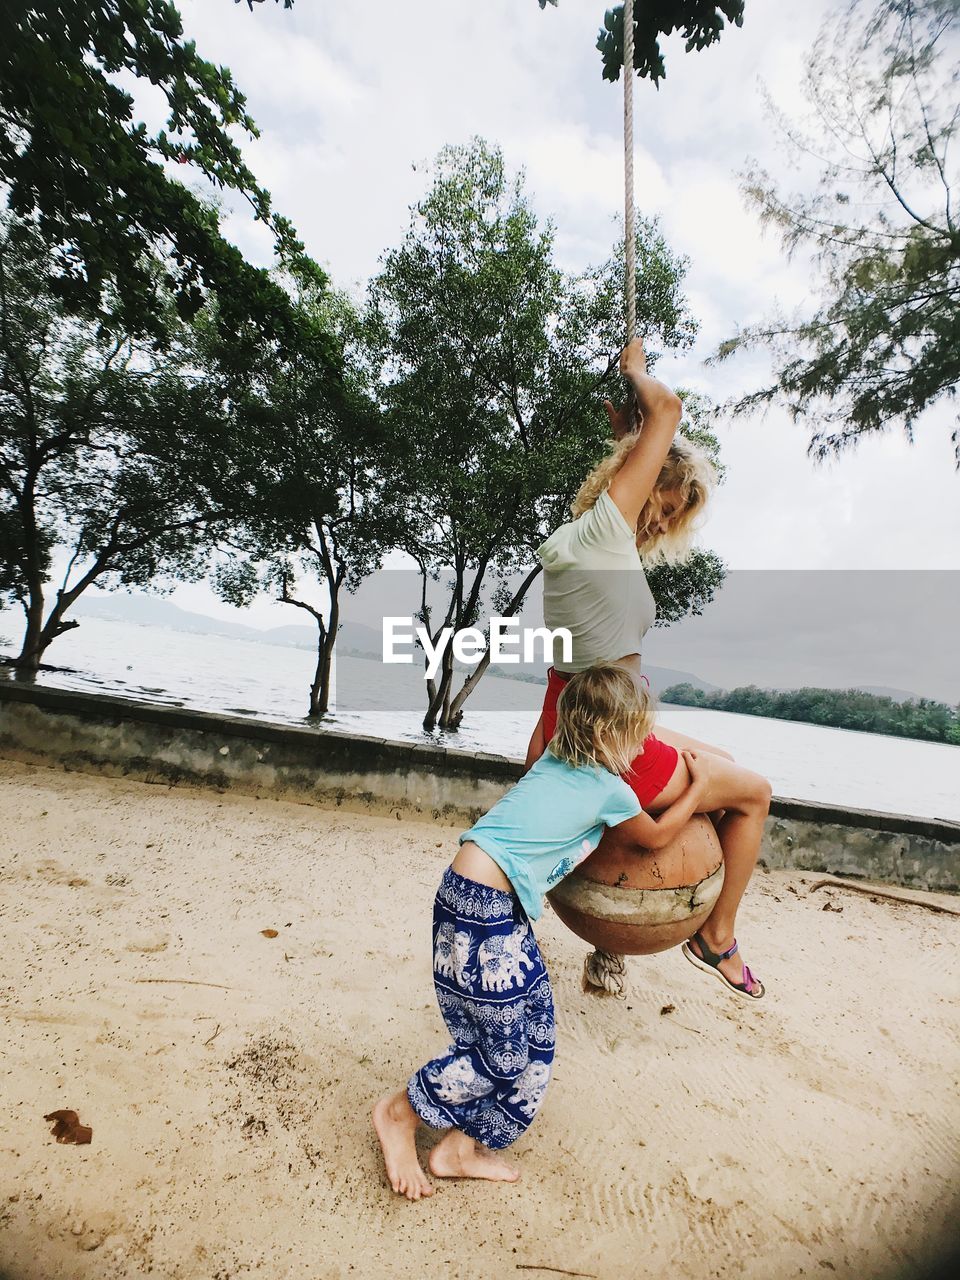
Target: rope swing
{"x": 605, "y": 974}
{"x": 603, "y": 971}
{"x": 629, "y": 215}
{"x": 629, "y": 211}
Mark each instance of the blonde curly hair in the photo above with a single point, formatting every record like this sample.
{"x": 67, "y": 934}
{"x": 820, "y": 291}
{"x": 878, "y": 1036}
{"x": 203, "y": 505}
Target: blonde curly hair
{"x": 687, "y": 471}
{"x": 603, "y": 717}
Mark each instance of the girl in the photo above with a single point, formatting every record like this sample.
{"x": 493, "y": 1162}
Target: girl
{"x": 640, "y": 505}
{"x": 490, "y": 980}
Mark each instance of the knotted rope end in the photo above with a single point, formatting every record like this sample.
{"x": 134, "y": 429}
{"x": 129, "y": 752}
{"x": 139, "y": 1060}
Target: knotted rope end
{"x": 604, "y": 974}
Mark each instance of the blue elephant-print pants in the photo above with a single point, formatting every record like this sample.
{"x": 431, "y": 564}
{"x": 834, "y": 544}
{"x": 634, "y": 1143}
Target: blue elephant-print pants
{"x": 495, "y": 997}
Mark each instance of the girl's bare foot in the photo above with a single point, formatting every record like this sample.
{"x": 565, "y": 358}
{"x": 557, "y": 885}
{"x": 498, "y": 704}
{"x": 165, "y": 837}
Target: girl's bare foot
{"x": 457, "y": 1156}
{"x": 396, "y": 1123}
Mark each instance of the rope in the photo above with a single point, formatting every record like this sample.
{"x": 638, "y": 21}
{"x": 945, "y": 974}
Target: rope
{"x": 629, "y": 215}
{"x": 605, "y": 973}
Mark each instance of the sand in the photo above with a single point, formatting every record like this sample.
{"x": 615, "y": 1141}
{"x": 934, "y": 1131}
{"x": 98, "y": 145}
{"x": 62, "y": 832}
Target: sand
{"x": 228, "y": 1076}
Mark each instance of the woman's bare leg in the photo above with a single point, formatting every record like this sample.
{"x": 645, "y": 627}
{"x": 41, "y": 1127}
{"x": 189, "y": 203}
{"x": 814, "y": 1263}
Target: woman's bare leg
{"x": 745, "y": 798}
{"x": 683, "y": 742}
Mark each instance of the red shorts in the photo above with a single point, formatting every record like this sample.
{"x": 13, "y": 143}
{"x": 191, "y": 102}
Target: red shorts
{"x": 649, "y": 773}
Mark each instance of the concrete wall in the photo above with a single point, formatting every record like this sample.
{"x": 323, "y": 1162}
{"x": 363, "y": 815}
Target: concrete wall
{"x": 99, "y": 734}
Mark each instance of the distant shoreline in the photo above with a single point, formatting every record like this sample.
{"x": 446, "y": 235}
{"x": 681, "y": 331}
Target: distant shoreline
{"x": 258, "y": 716}
{"x": 672, "y": 687}
{"x": 857, "y": 710}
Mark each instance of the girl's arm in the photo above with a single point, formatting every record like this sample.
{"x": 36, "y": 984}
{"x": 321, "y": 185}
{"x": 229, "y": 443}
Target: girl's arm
{"x": 655, "y": 833}
{"x": 537, "y": 746}
{"x": 662, "y": 411}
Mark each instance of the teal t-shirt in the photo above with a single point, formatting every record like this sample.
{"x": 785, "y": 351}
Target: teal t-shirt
{"x": 549, "y": 822}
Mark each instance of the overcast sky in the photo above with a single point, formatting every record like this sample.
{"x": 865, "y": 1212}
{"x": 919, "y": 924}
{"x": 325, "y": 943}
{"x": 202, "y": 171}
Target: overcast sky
{"x": 350, "y": 98}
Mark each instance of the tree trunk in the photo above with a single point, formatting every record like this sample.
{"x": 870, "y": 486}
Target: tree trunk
{"x": 440, "y": 699}
{"x": 438, "y": 693}
{"x": 40, "y": 635}
{"x": 31, "y": 651}
{"x": 320, "y": 689}
{"x": 450, "y": 714}
{"x": 454, "y": 713}
{"x": 33, "y": 647}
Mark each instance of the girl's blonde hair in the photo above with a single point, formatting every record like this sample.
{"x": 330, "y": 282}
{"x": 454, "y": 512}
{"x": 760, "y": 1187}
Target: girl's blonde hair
{"x": 687, "y": 471}
{"x": 602, "y": 719}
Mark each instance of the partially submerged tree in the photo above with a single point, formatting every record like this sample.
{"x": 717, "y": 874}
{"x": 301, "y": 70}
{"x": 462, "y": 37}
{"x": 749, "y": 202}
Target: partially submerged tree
{"x": 318, "y": 514}
{"x": 494, "y": 366}
{"x": 118, "y": 450}
{"x": 113, "y": 457}
{"x": 883, "y": 229}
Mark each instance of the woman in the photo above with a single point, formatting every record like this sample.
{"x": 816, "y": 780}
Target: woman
{"x": 644, "y": 499}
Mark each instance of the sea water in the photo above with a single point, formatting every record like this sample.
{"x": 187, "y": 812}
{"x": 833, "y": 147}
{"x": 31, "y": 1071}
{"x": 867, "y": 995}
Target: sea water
{"x": 272, "y": 682}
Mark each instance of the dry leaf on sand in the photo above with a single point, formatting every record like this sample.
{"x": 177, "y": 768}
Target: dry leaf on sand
{"x": 67, "y": 1127}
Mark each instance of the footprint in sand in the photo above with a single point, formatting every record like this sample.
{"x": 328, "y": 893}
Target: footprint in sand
{"x": 91, "y": 1230}
{"x": 720, "y": 1180}
{"x": 55, "y": 873}
{"x": 149, "y": 940}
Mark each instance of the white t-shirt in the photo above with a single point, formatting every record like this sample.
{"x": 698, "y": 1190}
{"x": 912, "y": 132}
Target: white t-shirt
{"x": 594, "y": 585}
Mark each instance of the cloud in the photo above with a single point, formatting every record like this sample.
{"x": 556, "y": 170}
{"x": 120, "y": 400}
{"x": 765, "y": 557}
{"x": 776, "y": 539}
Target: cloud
{"x": 350, "y": 98}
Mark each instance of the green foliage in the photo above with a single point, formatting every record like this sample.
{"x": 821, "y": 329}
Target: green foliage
{"x": 314, "y": 510}
{"x": 700, "y": 22}
{"x": 14, "y": 558}
{"x": 91, "y": 178}
{"x": 686, "y": 587}
{"x": 839, "y": 708}
{"x": 117, "y": 455}
{"x": 698, "y": 412}
{"x": 493, "y": 363}
{"x": 882, "y": 228}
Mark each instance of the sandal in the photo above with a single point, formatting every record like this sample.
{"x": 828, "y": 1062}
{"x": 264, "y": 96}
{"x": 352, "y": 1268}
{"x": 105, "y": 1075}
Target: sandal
{"x": 709, "y": 961}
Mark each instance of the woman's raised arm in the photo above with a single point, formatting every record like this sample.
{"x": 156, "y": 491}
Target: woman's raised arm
{"x": 661, "y": 409}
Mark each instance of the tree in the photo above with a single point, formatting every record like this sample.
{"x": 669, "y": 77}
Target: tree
{"x": 112, "y": 454}
{"x": 687, "y": 586}
{"x": 316, "y": 511}
{"x": 92, "y": 180}
{"x": 884, "y": 345}
{"x": 839, "y": 708}
{"x": 493, "y": 362}
{"x": 700, "y": 22}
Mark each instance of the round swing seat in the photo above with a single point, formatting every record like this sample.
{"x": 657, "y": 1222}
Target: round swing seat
{"x": 627, "y": 902}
